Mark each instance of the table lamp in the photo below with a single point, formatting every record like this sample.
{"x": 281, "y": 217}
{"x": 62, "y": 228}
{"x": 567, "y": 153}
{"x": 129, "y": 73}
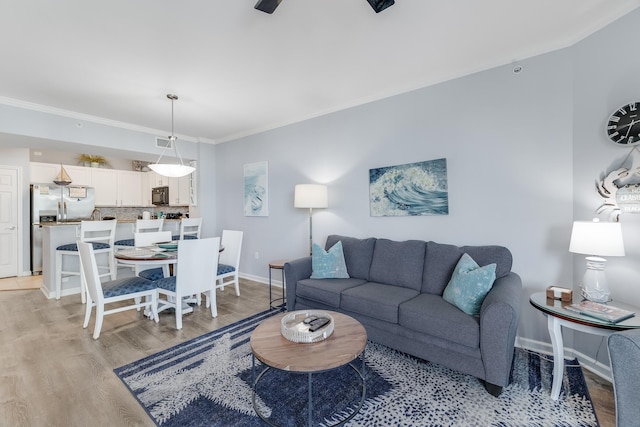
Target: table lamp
{"x": 596, "y": 239}
{"x": 310, "y": 196}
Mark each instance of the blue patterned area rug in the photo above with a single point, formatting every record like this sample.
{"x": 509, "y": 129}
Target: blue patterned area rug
{"x": 207, "y": 382}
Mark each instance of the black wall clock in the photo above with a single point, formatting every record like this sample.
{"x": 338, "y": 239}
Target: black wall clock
{"x": 623, "y": 127}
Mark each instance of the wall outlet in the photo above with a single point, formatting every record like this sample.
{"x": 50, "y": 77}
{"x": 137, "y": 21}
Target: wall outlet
{"x": 257, "y": 255}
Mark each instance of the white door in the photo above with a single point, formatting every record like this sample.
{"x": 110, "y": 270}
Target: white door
{"x": 8, "y": 222}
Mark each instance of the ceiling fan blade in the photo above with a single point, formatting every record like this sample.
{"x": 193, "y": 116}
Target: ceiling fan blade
{"x": 267, "y": 6}
{"x": 380, "y": 5}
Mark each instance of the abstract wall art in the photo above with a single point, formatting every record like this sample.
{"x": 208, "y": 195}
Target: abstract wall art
{"x": 409, "y": 190}
{"x": 256, "y": 189}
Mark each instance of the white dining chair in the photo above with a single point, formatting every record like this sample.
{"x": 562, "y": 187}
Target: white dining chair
{"x": 197, "y": 267}
{"x": 229, "y": 260}
{"x": 151, "y": 271}
{"x": 142, "y": 226}
{"x": 101, "y": 235}
{"x": 189, "y": 229}
{"x": 100, "y": 294}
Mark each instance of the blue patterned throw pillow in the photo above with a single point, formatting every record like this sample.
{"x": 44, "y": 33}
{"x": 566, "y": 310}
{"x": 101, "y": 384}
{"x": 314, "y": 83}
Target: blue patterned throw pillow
{"x": 328, "y": 264}
{"x": 469, "y": 285}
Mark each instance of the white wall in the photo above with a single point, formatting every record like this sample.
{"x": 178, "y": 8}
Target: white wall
{"x": 606, "y": 77}
{"x": 507, "y": 139}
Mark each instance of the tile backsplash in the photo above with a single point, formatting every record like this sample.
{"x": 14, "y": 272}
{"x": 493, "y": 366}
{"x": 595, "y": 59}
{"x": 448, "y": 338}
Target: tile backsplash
{"x": 136, "y": 213}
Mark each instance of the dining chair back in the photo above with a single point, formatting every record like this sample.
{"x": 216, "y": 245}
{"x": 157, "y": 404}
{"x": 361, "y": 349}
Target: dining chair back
{"x": 100, "y": 294}
{"x": 101, "y": 234}
{"x": 151, "y": 237}
{"x": 197, "y": 267}
{"x": 149, "y": 270}
{"x": 142, "y": 226}
{"x": 148, "y": 225}
{"x": 229, "y": 261}
{"x": 190, "y": 228}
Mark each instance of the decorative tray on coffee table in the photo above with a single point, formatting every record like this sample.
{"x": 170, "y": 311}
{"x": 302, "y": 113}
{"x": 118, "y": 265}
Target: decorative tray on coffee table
{"x": 307, "y": 326}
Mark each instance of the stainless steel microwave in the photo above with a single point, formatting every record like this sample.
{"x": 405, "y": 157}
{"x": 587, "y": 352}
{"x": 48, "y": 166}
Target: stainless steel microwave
{"x": 160, "y": 196}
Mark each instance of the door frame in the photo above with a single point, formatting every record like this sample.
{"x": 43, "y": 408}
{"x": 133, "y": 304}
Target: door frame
{"x": 21, "y": 231}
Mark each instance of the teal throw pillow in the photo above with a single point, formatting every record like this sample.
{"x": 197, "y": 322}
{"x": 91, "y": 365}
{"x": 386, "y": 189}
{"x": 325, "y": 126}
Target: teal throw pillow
{"x": 328, "y": 264}
{"x": 469, "y": 285}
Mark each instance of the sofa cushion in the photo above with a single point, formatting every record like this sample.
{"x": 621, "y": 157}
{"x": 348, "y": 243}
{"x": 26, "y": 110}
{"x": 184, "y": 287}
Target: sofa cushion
{"x": 432, "y": 315}
{"x": 441, "y": 259}
{"x": 325, "y": 291}
{"x": 398, "y": 263}
{"x": 328, "y": 264}
{"x": 357, "y": 254}
{"x": 469, "y": 285}
{"x": 377, "y": 300}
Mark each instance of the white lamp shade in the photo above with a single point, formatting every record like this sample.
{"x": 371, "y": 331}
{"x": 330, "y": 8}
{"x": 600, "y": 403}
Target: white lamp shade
{"x": 597, "y": 238}
{"x": 311, "y": 196}
{"x": 171, "y": 170}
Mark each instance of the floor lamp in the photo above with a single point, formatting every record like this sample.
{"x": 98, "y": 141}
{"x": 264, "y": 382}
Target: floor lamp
{"x": 597, "y": 239}
{"x": 310, "y": 196}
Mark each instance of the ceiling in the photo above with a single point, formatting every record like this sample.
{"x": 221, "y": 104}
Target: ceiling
{"x": 238, "y": 71}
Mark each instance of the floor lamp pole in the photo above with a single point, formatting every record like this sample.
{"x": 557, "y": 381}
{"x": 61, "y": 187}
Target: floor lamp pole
{"x": 310, "y": 231}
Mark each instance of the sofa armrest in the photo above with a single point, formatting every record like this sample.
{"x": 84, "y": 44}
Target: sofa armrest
{"x": 295, "y": 270}
{"x": 499, "y": 316}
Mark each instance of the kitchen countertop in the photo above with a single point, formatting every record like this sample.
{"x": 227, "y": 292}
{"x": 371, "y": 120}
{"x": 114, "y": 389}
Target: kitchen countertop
{"x": 121, "y": 221}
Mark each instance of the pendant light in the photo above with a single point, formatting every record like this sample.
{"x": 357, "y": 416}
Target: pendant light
{"x": 172, "y": 170}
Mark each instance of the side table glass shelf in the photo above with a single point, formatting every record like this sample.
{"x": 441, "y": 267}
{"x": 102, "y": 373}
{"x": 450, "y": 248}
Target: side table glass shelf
{"x": 558, "y": 316}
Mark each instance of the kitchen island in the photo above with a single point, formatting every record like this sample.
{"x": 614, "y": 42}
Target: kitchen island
{"x": 56, "y": 234}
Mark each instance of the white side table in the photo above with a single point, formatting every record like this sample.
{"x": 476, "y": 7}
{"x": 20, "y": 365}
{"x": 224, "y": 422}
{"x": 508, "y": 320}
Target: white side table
{"x": 558, "y": 317}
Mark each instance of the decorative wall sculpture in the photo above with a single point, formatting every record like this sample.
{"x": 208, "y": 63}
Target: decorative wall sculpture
{"x": 409, "y": 190}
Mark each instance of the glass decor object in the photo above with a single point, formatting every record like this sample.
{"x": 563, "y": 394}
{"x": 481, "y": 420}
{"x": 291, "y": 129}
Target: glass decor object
{"x": 596, "y": 239}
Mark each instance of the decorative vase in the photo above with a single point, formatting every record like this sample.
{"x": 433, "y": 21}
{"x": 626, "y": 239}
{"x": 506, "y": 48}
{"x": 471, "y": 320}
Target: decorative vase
{"x": 95, "y": 164}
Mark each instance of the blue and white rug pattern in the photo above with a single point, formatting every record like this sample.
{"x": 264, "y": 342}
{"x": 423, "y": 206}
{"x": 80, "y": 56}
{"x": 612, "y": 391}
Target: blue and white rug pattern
{"x": 207, "y": 382}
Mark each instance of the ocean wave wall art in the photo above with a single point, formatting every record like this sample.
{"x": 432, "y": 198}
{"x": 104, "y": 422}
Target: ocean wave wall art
{"x": 409, "y": 190}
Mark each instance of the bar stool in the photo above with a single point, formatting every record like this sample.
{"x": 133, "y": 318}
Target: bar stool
{"x": 101, "y": 235}
{"x": 276, "y": 265}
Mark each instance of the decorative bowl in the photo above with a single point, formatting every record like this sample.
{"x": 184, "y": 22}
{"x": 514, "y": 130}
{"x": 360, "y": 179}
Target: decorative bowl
{"x": 168, "y": 245}
{"x": 293, "y": 328}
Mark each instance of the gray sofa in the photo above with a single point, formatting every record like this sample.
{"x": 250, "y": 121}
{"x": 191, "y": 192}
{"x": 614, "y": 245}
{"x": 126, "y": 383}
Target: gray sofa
{"x": 624, "y": 353}
{"x": 395, "y": 290}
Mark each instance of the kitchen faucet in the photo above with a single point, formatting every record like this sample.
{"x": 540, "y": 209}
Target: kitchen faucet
{"x": 93, "y": 215}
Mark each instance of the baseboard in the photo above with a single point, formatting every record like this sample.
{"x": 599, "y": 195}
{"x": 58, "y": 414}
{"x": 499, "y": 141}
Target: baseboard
{"x": 587, "y": 362}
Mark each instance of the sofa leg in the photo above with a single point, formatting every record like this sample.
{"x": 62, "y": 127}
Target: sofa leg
{"x": 493, "y": 389}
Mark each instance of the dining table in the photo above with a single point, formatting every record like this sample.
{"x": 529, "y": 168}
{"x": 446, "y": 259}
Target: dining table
{"x": 154, "y": 256}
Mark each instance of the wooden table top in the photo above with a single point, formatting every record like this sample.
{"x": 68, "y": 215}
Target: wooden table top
{"x": 346, "y": 343}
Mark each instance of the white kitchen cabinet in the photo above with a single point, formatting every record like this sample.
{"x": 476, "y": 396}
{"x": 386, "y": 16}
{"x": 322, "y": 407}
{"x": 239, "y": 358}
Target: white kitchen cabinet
{"x": 43, "y": 173}
{"x": 146, "y": 189}
{"x": 130, "y": 188}
{"x": 105, "y": 182}
{"x": 157, "y": 180}
{"x": 79, "y": 175}
{"x": 180, "y": 191}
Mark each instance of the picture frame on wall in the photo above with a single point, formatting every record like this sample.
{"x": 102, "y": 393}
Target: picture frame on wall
{"x": 411, "y": 189}
{"x": 256, "y": 189}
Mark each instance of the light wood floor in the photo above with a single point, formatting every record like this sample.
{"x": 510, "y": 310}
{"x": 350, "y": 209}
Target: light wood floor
{"x": 55, "y": 374}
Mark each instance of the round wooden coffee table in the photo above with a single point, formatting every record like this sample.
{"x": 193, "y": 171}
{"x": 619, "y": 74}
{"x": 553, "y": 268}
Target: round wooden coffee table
{"x": 346, "y": 344}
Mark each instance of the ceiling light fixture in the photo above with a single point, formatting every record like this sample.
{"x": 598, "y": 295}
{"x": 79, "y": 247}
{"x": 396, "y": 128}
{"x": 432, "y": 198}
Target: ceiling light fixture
{"x": 169, "y": 169}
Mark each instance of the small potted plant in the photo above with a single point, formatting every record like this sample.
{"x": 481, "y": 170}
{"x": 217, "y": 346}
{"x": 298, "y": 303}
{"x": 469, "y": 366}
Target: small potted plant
{"x": 93, "y": 160}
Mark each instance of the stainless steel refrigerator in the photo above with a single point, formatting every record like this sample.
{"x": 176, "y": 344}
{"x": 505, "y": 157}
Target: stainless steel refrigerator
{"x": 51, "y": 203}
